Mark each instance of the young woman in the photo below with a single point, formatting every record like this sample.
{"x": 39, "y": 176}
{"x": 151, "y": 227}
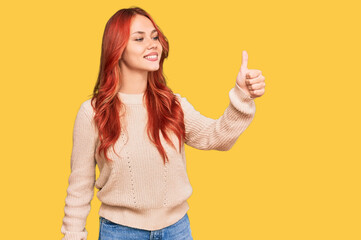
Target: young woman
{"x": 134, "y": 128}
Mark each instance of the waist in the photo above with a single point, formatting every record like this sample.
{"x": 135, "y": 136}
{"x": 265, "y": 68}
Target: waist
{"x": 148, "y": 219}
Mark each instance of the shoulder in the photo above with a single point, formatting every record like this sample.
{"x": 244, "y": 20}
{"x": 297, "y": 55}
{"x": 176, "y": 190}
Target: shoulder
{"x": 87, "y": 108}
{"x": 183, "y": 101}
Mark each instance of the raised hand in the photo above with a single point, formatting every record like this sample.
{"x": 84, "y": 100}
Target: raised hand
{"x": 250, "y": 80}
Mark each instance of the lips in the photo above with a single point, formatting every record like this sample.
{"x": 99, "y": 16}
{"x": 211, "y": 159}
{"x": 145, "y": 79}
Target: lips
{"x": 152, "y": 53}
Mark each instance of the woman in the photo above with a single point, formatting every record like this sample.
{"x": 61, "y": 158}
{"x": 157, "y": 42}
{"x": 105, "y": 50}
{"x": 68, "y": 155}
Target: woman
{"x": 134, "y": 128}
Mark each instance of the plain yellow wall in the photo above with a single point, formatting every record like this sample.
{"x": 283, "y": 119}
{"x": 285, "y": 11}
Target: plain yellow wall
{"x": 293, "y": 174}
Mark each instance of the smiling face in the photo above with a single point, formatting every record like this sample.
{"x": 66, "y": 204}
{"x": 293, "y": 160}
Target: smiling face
{"x": 143, "y": 41}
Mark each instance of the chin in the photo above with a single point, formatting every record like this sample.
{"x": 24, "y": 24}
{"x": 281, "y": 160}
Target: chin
{"x": 153, "y": 69}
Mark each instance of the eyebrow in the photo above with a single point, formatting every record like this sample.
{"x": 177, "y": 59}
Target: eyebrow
{"x": 154, "y": 30}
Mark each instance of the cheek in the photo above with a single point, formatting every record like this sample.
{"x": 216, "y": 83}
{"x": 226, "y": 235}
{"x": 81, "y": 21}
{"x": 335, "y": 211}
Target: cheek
{"x": 135, "y": 53}
{"x": 131, "y": 55}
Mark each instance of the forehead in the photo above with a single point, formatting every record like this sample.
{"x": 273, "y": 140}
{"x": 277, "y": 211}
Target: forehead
{"x": 141, "y": 23}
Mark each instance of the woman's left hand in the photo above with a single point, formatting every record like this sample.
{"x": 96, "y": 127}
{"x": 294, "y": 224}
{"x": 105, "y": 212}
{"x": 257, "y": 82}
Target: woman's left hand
{"x": 250, "y": 80}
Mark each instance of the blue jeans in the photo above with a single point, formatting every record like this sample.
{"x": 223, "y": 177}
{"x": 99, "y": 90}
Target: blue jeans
{"x": 112, "y": 231}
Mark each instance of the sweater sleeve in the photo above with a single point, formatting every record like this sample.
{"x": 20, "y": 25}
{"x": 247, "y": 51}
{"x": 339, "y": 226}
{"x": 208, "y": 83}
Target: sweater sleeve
{"x": 218, "y": 134}
{"x": 82, "y": 177}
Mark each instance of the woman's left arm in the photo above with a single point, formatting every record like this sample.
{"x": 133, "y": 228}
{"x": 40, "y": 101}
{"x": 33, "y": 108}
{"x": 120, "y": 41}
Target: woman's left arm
{"x": 221, "y": 134}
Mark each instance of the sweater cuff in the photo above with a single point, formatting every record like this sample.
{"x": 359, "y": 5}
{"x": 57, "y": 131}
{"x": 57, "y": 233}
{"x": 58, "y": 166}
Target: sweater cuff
{"x": 242, "y": 101}
{"x": 74, "y": 235}
{"x": 241, "y": 93}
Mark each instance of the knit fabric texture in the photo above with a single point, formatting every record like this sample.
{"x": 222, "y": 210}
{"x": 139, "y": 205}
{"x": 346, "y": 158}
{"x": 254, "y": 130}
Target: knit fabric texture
{"x": 137, "y": 189}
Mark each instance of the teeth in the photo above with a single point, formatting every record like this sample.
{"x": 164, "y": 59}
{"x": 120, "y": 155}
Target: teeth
{"x": 152, "y": 57}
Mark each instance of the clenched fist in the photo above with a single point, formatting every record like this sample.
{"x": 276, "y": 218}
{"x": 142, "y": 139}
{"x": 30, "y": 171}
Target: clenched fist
{"x": 250, "y": 80}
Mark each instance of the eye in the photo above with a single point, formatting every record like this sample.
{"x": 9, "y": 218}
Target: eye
{"x": 140, "y": 39}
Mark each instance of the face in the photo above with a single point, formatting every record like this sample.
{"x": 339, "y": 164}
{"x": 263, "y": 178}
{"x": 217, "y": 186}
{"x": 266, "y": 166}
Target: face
{"x": 143, "y": 41}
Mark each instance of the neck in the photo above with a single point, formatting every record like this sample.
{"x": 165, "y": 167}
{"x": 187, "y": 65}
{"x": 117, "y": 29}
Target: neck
{"x": 132, "y": 81}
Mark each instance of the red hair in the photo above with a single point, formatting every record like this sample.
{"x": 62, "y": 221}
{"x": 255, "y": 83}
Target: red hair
{"x": 164, "y": 110}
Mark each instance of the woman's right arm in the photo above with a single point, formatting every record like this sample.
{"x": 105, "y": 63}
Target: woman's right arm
{"x": 82, "y": 177}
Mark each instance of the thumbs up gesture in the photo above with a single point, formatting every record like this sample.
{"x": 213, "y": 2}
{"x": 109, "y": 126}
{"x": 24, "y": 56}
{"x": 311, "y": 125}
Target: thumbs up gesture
{"x": 251, "y": 81}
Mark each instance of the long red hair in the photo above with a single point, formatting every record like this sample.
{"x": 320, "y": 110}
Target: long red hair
{"x": 164, "y": 110}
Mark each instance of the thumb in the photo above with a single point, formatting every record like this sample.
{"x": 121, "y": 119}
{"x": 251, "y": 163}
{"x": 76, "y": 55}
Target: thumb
{"x": 244, "y": 60}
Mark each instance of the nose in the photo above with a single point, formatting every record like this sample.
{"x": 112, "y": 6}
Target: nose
{"x": 152, "y": 44}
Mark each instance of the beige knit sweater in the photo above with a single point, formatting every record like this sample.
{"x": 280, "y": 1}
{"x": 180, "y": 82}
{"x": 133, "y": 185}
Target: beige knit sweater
{"x": 137, "y": 190}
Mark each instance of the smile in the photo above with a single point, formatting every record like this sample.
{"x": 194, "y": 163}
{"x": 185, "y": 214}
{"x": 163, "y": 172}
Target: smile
{"x": 152, "y": 57}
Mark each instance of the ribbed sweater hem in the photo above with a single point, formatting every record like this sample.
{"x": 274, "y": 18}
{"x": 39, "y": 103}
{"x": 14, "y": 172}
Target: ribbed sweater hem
{"x": 148, "y": 219}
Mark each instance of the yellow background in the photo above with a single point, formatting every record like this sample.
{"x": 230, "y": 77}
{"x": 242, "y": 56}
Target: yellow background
{"x": 293, "y": 174}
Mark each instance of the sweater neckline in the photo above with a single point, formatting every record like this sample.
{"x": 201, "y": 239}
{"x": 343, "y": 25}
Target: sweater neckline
{"x": 131, "y": 98}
